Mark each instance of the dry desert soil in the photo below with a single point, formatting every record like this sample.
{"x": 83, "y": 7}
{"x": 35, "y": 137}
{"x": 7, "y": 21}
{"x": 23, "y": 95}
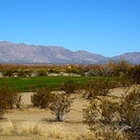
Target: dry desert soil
{"x": 31, "y": 123}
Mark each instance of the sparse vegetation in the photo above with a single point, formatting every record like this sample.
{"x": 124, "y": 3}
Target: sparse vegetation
{"x": 108, "y": 116}
{"x": 130, "y": 113}
{"x": 133, "y": 74}
{"x": 120, "y": 116}
{"x": 58, "y": 103}
{"x": 9, "y": 99}
{"x": 69, "y": 86}
{"x": 99, "y": 87}
{"x": 42, "y": 98}
{"x": 28, "y": 128}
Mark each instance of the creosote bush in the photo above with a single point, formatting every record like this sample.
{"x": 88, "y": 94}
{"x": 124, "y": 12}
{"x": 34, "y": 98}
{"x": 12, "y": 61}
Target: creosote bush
{"x": 130, "y": 113}
{"x": 69, "y": 86}
{"x": 133, "y": 73}
{"x": 59, "y": 103}
{"x": 100, "y": 111}
{"x": 9, "y": 99}
{"x": 42, "y": 98}
{"x": 99, "y": 87}
{"x": 123, "y": 80}
{"x": 116, "y": 116}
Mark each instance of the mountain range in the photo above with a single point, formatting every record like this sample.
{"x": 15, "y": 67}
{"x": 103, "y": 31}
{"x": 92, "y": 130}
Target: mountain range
{"x": 34, "y": 54}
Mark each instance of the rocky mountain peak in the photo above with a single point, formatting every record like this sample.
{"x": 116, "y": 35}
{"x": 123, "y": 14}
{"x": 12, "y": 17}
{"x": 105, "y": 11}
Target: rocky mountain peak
{"x": 23, "y": 53}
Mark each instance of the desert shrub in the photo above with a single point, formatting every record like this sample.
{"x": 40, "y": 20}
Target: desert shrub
{"x": 108, "y": 110}
{"x": 133, "y": 74}
{"x": 8, "y": 73}
{"x": 101, "y": 115}
{"x": 24, "y": 72}
{"x": 120, "y": 67}
{"x": 100, "y": 111}
{"x": 53, "y": 70}
{"x": 104, "y": 133}
{"x": 42, "y": 98}
{"x": 130, "y": 113}
{"x": 101, "y": 71}
{"x": 119, "y": 117}
{"x": 13, "y": 97}
{"x": 42, "y": 72}
{"x": 69, "y": 86}
{"x": 9, "y": 98}
{"x": 3, "y": 104}
{"x": 99, "y": 87}
{"x": 92, "y": 113}
{"x": 60, "y": 105}
{"x": 72, "y": 69}
{"x": 124, "y": 80}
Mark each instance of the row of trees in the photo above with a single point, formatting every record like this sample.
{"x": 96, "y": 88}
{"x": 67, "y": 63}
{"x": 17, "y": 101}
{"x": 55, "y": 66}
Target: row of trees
{"x": 120, "y": 69}
{"x": 39, "y": 70}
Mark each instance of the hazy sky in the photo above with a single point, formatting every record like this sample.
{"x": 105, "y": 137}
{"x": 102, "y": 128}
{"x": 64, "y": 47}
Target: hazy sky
{"x": 107, "y": 27}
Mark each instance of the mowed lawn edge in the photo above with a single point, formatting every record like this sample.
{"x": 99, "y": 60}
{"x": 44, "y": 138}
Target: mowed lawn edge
{"x": 33, "y": 83}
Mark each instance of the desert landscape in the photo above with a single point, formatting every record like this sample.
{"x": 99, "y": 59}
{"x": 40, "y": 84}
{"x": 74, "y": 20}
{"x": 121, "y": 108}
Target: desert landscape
{"x": 31, "y": 123}
{"x": 88, "y": 102}
{"x": 69, "y": 70}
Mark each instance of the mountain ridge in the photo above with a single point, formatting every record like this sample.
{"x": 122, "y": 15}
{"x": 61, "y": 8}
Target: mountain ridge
{"x": 23, "y": 53}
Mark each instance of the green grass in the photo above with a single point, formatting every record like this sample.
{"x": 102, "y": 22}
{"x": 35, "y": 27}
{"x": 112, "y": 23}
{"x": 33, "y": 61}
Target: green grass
{"x": 30, "y": 84}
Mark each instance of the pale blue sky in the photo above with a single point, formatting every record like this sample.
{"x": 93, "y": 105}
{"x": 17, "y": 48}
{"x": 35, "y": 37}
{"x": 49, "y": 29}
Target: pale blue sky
{"x": 107, "y": 27}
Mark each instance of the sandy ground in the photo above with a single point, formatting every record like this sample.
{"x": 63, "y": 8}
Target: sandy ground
{"x": 74, "y": 121}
